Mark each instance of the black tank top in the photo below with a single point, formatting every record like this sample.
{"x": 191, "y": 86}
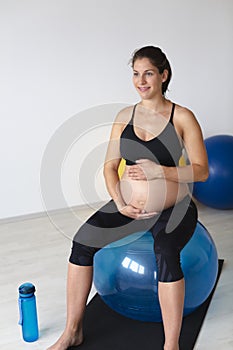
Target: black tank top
{"x": 164, "y": 149}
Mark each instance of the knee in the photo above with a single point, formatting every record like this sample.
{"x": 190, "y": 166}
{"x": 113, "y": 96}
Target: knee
{"x": 169, "y": 267}
{"x": 81, "y": 254}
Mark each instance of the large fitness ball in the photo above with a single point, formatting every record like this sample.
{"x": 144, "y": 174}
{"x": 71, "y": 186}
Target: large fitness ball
{"x": 217, "y": 191}
{"x": 125, "y": 275}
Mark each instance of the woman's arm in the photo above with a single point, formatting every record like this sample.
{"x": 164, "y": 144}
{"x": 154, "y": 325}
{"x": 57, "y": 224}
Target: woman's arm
{"x": 112, "y": 161}
{"x": 113, "y": 158}
{"x": 190, "y": 131}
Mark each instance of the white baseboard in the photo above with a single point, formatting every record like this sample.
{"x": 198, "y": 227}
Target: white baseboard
{"x": 42, "y": 214}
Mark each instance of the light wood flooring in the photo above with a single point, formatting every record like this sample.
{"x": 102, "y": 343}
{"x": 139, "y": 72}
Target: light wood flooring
{"x": 33, "y": 249}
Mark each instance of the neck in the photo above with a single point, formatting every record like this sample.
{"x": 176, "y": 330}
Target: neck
{"x": 155, "y": 104}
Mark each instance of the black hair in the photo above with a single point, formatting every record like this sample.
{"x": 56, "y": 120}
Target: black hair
{"x": 158, "y": 58}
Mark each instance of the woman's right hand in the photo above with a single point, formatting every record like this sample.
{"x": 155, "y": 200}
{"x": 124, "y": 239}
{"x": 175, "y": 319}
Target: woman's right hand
{"x": 130, "y": 211}
{"x": 135, "y": 213}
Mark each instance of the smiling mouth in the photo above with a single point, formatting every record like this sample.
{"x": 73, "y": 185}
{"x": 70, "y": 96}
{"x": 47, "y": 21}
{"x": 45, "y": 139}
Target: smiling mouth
{"x": 143, "y": 89}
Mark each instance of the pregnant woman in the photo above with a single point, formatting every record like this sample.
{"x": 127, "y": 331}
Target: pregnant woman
{"x": 152, "y": 194}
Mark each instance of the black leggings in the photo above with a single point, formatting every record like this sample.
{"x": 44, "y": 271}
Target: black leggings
{"x": 171, "y": 230}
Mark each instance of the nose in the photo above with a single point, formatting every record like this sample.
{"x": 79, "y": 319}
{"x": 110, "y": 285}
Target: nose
{"x": 142, "y": 79}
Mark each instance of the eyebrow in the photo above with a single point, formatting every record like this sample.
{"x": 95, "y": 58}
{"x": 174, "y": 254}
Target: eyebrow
{"x": 147, "y": 70}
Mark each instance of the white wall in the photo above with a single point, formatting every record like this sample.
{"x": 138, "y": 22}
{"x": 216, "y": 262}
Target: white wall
{"x": 61, "y": 57}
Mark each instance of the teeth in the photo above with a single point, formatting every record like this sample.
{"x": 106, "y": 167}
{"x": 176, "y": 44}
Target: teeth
{"x": 143, "y": 88}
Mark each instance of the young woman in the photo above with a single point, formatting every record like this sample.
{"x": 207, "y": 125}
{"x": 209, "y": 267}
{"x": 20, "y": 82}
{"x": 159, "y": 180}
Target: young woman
{"x": 152, "y": 194}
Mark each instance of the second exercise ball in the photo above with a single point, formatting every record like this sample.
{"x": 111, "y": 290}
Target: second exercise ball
{"x": 125, "y": 275}
{"x": 217, "y": 191}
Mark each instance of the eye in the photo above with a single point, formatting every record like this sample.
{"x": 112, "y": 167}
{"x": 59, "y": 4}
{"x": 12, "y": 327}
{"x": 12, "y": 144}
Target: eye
{"x": 135, "y": 74}
{"x": 149, "y": 74}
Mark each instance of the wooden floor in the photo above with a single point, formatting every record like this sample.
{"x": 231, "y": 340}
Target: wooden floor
{"x": 33, "y": 249}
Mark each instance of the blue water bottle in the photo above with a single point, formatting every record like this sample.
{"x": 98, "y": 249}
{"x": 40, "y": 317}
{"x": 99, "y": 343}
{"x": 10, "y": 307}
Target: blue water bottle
{"x": 27, "y": 311}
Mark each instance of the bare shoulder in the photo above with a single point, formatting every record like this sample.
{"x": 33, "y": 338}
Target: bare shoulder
{"x": 124, "y": 116}
{"x": 122, "y": 119}
{"x": 183, "y": 113}
{"x": 184, "y": 117}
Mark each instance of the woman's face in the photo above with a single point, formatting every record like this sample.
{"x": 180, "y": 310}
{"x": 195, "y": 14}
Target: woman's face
{"x": 147, "y": 79}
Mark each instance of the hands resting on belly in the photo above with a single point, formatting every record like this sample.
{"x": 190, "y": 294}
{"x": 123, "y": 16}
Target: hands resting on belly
{"x": 136, "y": 213}
{"x": 146, "y": 192}
{"x": 143, "y": 171}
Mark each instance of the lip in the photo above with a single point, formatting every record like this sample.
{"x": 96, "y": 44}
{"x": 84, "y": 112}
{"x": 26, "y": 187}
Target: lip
{"x": 143, "y": 88}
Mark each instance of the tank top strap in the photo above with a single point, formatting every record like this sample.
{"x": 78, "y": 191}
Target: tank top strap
{"x": 172, "y": 113}
{"x": 133, "y": 112}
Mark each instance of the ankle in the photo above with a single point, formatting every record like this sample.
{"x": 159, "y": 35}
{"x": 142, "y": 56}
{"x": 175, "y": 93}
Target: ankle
{"x": 171, "y": 346}
{"x": 73, "y": 328}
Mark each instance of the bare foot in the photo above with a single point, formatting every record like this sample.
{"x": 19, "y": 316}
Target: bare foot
{"x": 66, "y": 340}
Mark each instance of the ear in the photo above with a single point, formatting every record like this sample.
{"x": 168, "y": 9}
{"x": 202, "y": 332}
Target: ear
{"x": 164, "y": 75}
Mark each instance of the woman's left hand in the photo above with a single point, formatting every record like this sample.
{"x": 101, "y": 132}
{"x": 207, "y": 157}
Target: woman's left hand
{"x": 145, "y": 170}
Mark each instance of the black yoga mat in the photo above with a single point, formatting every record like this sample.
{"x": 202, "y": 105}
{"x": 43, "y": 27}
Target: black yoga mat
{"x": 104, "y": 329}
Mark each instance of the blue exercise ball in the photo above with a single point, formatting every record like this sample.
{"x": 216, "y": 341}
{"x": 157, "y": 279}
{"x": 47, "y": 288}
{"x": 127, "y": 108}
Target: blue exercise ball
{"x": 125, "y": 274}
{"x": 217, "y": 191}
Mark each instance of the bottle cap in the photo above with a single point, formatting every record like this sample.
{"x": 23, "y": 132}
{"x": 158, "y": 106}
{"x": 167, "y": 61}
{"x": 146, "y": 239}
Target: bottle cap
{"x": 27, "y": 288}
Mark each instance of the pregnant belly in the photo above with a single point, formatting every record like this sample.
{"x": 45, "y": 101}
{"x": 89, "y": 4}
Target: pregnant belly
{"x": 153, "y": 195}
